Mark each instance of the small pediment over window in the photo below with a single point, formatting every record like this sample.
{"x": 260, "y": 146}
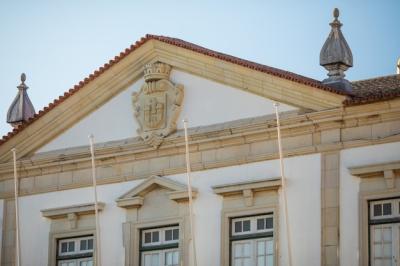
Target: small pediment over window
{"x": 389, "y": 171}
{"x": 134, "y": 198}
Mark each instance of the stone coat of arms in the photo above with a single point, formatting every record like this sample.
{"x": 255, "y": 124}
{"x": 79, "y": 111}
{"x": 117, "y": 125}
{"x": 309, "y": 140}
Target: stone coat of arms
{"x": 158, "y": 104}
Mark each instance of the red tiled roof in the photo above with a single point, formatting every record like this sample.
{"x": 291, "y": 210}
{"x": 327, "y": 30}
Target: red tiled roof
{"x": 374, "y": 89}
{"x": 183, "y": 44}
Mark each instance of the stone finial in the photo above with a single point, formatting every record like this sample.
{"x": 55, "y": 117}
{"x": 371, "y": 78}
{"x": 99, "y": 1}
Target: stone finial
{"x": 21, "y": 108}
{"x": 398, "y": 66}
{"x": 336, "y": 56}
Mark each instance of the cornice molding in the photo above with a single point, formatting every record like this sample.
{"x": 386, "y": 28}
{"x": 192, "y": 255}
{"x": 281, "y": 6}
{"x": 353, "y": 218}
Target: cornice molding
{"x": 66, "y": 211}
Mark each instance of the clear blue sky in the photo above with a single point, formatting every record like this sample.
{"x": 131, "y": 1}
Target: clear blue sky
{"x": 58, "y": 43}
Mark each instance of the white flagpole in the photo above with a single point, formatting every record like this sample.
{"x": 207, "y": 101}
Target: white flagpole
{"x": 278, "y": 128}
{"x": 17, "y": 246}
{"x": 96, "y": 209}
{"x": 189, "y": 185}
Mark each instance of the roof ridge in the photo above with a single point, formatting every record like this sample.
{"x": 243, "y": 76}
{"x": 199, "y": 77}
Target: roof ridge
{"x": 179, "y": 43}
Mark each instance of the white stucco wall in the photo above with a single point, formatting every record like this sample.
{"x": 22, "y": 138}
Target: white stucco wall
{"x": 349, "y": 197}
{"x": 303, "y": 175}
{"x": 205, "y": 103}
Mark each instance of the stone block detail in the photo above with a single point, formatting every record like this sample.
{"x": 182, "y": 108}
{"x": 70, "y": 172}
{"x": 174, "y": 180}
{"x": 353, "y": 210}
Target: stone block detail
{"x": 330, "y": 240}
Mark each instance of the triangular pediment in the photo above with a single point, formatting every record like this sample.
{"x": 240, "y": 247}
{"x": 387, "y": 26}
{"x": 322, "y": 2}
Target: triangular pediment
{"x": 134, "y": 198}
{"x": 126, "y": 69}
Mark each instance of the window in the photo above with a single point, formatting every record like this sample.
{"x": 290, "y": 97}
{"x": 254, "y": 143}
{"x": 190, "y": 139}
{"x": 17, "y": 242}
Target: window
{"x": 75, "y": 251}
{"x": 159, "y": 246}
{"x": 252, "y": 242}
{"x": 384, "y": 232}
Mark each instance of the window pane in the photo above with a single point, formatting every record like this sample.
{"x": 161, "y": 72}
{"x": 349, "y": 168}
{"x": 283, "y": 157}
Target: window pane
{"x": 71, "y": 246}
{"x": 238, "y": 227}
{"x": 238, "y": 250}
{"x": 247, "y": 262}
{"x": 261, "y": 261}
{"x": 83, "y": 245}
{"x": 247, "y": 250}
{"x": 270, "y": 260}
{"x": 156, "y": 236}
{"x": 176, "y": 258}
{"x": 387, "y": 209}
{"x": 387, "y": 234}
{"x": 64, "y": 247}
{"x": 168, "y": 235}
{"x": 269, "y": 223}
{"x": 387, "y": 250}
{"x": 377, "y": 250}
{"x": 90, "y": 244}
{"x": 261, "y": 224}
{"x": 260, "y": 248}
{"x": 377, "y": 210}
{"x": 270, "y": 247}
{"x": 176, "y": 234}
{"x": 246, "y": 226}
{"x": 147, "y": 237}
{"x": 168, "y": 258}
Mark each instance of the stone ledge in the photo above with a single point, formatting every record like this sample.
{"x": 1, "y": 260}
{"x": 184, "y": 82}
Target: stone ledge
{"x": 245, "y": 187}
{"x": 63, "y": 212}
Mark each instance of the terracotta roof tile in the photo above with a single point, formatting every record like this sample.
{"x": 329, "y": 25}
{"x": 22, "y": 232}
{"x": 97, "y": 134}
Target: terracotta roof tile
{"x": 186, "y": 45}
{"x": 374, "y": 89}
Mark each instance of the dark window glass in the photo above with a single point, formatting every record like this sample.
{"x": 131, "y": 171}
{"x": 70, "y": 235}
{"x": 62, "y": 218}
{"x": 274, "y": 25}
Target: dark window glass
{"x": 238, "y": 227}
{"x": 64, "y": 247}
{"x": 246, "y": 226}
{"x": 90, "y": 244}
{"x": 147, "y": 237}
{"x": 176, "y": 234}
{"x": 168, "y": 235}
{"x": 269, "y": 223}
{"x": 84, "y": 244}
{"x": 377, "y": 210}
{"x": 71, "y": 246}
{"x": 387, "y": 208}
{"x": 260, "y": 224}
{"x": 156, "y": 236}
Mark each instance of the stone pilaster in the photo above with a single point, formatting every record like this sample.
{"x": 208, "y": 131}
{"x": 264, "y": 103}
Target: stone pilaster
{"x": 8, "y": 241}
{"x": 330, "y": 210}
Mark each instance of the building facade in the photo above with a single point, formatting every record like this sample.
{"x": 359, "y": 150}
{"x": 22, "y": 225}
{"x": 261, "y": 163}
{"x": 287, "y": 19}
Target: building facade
{"x": 341, "y": 147}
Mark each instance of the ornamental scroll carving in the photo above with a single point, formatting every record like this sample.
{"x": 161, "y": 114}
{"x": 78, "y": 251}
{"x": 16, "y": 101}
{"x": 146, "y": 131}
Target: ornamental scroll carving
{"x": 157, "y": 105}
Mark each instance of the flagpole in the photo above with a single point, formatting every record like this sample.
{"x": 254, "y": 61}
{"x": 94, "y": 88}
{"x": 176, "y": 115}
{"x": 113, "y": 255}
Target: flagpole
{"x": 96, "y": 209}
{"x": 285, "y": 207}
{"x": 189, "y": 185}
{"x": 17, "y": 244}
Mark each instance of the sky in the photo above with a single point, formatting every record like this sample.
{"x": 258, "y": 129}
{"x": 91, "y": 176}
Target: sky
{"x": 58, "y": 43}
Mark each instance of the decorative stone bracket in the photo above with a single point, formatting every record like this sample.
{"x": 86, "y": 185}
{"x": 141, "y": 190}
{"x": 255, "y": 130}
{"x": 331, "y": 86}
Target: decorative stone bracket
{"x": 389, "y": 171}
{"x": 135, "y": 197}
{"x": 247, "y": 189}
{"x": 72, "y": 212}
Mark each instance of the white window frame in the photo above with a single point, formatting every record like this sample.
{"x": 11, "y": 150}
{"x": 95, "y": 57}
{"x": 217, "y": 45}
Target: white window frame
{"x": 253, "y": 225}
{"x": 395, "y": 209}
{"x": 77, "y": 245}
{"x": 161, "y": 253}
{"x": 161, "y": 239}
{"x": 254, "y": 249}
{"x": 77, "y": 261}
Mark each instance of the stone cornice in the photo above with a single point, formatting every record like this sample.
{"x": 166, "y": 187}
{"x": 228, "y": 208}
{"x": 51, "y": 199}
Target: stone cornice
{"x": 63, "y": 212}
{"x": 375, "y": 170}
{"x": 216, "y": 136}
{"x": 245, "y": 187}
{"x": 233, "y": 143}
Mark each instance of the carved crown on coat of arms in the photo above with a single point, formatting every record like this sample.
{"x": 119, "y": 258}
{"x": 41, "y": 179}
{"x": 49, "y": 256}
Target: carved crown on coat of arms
{"x": 158, "y": 104}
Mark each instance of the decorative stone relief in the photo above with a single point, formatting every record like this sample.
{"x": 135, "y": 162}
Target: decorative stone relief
{"x": 158, "y": 104}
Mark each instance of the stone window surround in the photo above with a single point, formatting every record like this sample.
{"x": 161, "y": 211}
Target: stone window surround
{"x": 71, "y": 213}
{"x": 387, "y": 171}
{"x": 133, "y": 200}
{"x": 247, "y": 190}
